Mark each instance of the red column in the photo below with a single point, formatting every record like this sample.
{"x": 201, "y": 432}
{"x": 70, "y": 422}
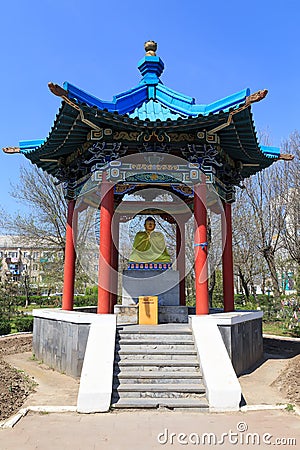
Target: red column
{"x": 114, "y": 264}
{"x": 104, "y": 275}
{"x": 180, "y": 255}
{"x": 227, "y": 259}
{"x": 70, "y": 257}
{"x": 201, "y": 272}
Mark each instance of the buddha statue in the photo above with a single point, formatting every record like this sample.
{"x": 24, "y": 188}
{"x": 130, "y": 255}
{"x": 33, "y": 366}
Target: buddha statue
{"x": 149, "y": 245}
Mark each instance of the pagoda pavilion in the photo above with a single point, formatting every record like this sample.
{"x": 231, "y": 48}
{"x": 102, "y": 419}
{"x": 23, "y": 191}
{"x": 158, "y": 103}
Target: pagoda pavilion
{"x": 150, "y": 136}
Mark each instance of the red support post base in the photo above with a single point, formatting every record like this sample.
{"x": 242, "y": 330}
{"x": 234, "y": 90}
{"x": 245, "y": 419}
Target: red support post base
{"x": 227, "y": 259}
{"x": 201, "y": 272}
{"x": 70, "y": 258}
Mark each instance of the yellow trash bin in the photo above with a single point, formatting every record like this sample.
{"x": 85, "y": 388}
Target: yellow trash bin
{"x": 148, "y": 310}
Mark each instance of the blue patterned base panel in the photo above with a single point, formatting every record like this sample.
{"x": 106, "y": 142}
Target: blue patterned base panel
{"x": 149, "y": 266}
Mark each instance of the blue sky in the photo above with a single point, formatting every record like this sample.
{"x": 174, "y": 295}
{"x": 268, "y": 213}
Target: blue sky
{"x": 211, "y": 49}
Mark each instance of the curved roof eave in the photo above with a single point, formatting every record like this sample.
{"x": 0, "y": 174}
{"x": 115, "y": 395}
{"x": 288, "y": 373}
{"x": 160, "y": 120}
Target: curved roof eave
{"x": 28, "y": 146}
{"x": 239, "y": 139}
{"x": 270, "y": 152}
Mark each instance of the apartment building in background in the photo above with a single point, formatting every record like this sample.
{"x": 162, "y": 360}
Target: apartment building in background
{"x": 21, "y": 258}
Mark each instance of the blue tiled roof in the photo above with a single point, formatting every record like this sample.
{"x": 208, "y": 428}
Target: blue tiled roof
{"x": 152, "y": 105}
{"x": 144, "y": 99}
{"x": 154, "y": 110}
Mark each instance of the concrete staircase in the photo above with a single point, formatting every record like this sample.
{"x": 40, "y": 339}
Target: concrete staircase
{"x": 157, "y": 367}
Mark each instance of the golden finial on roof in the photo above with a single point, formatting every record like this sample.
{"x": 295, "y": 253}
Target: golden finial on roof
{"x": 150, "y": 47}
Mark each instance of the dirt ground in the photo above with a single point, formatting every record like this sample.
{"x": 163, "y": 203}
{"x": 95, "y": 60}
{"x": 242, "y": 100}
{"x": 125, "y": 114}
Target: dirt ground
{"x": 288, "y": 381}
{"x": 15, "y": 386}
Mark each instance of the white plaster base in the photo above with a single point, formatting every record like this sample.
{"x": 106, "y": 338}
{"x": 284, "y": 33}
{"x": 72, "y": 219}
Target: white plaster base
{"x": 97, "y": 372}
{"x": 223, "y": 389}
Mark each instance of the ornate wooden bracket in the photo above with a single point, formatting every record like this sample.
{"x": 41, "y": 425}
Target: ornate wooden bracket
{"x": 286, "y": 157}
{"x": 57, "y": 90}
{"x": 256, "y": 97}
{"x": 11, "y": 150}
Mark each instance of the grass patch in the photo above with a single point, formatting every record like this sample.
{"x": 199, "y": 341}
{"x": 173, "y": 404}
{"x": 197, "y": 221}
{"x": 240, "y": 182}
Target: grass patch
{"x": 276, "y": 327}
{"x": 289, "y": 407}
{"x": 273, "y": 327}
{"x": 30, "y": 308}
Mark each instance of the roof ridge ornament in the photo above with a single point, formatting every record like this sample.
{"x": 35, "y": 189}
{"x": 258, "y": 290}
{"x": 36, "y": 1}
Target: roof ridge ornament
{"x": 151, "y": 66}
{"x": 150, "y": 48}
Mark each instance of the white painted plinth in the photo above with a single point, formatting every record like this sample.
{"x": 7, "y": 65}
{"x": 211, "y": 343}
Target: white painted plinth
{"x": 97, "y": 372}
{"x": 223, "y": 389}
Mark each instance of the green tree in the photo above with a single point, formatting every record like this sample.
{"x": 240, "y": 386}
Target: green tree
{"x": 291, "y": 229}
{"x": 44, "y": 226}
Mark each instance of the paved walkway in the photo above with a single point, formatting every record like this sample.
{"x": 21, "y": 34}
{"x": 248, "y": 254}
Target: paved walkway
{"x": 144, "y": 429}
{"x": 53, "y": 388}
{"x": 139, "y": 430}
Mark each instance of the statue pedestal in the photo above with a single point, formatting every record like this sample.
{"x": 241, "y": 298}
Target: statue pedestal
{"x": 163, "y": 283}
{"x": 166, "y": 314}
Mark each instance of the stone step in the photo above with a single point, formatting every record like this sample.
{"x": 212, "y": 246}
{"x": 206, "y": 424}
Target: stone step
{"x": 199, "y": 404}
{"x": 161, "y": 380}
{"x": 164, "y": 388}
{"x": 153, "y": 394}
{"x": 142, "y": 356}
{"x": 172, "y": 328}
{"x": 155, "y": 337}
{"x": 155, "y": 329}
{"x": 158, "y": 363}
{"x": 136, "y": 345}
{"x": 144, "y": 376}
{"x": 156, "y": 351}
{"x": 147, "y": 340}
{"x": 149, "y": 368}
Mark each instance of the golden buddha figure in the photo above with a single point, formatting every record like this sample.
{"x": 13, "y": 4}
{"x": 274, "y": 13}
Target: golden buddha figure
{"x": 149, "y": 245}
